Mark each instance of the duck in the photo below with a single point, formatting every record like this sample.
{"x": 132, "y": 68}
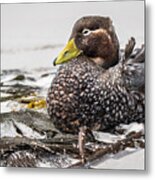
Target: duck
{"x": 96, "y": 86}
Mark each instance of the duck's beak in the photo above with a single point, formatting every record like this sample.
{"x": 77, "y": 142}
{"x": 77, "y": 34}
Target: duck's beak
{"x": 68, "y": 53}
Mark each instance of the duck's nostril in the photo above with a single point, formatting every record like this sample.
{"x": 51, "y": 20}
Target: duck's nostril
{"x": 66, "y": 52}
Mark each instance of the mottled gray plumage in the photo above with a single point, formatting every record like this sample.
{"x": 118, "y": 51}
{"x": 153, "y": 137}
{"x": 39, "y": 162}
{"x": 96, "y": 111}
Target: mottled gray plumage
{"x": 83, "y": 93}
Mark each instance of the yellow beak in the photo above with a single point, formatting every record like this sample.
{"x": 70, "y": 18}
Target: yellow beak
{"x": 68, "y": 53}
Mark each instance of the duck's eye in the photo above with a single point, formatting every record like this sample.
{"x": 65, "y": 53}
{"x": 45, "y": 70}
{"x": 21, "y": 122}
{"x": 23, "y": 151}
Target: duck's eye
{"x": 86, "y": 32}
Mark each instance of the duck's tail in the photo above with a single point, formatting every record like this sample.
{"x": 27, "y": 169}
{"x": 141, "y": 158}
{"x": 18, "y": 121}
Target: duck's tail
{"x": 134, "y": 66}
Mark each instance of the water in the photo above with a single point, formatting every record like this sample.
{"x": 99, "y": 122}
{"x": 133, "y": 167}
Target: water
{"x": 33, "y": 34}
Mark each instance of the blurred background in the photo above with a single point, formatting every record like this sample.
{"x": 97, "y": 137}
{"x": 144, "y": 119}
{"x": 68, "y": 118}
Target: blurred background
{"x": 33, "y": 34}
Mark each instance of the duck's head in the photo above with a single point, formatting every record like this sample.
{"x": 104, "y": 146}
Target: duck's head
{"x": 93, "y": 37}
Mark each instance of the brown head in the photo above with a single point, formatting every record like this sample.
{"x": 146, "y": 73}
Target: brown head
{"x": 94, "y": 37}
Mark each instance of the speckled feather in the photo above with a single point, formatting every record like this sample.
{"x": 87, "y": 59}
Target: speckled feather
{"x": 84, "y": 94}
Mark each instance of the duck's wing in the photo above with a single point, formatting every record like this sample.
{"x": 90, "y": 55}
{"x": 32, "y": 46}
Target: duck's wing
{"x": 133, "y": 68}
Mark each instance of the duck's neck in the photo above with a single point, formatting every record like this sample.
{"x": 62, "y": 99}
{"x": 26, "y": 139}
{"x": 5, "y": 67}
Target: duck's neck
{"x": 105, "y": 63}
